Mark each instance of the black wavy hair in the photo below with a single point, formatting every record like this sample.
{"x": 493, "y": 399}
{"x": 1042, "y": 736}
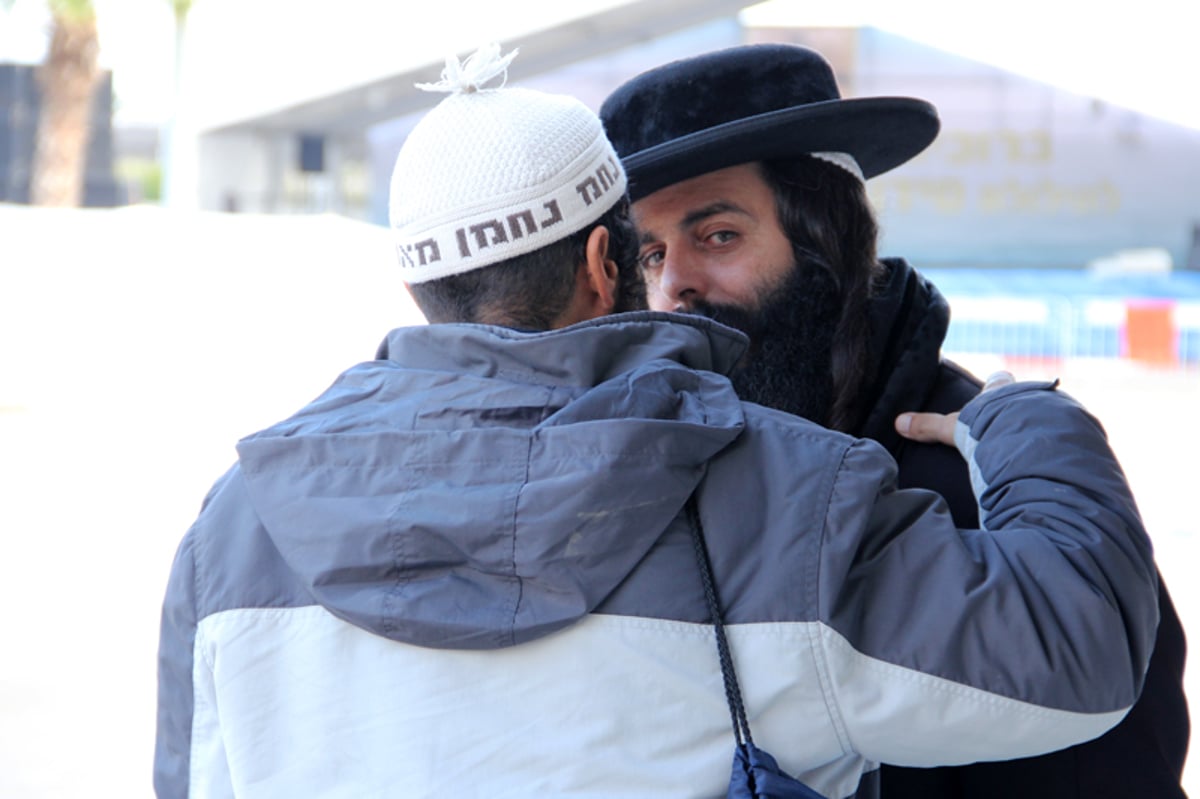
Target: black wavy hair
{"x": 825, "y": 213}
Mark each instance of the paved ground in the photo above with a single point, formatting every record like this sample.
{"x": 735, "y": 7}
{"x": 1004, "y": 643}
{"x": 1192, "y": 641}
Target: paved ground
{"x": 137, "y": 346}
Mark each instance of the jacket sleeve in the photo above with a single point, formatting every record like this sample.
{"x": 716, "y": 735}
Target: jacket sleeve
{"x": 189, "y": 758}
{"x": 177, "y": 635}
{"x": 1033, "y": 633}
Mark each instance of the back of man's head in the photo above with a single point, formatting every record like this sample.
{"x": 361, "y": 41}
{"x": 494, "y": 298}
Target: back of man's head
{"x": 493, "y": 195}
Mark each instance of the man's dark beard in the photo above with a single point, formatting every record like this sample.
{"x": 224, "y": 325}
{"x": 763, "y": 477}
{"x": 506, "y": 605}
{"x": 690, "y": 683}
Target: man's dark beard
{"x": 788, "y": 365}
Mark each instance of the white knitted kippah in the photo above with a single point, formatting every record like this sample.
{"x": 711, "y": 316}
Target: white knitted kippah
{"x": 489, "y": 174}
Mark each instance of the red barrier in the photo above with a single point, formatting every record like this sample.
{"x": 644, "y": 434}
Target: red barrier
{"x": 1150, "y": 335}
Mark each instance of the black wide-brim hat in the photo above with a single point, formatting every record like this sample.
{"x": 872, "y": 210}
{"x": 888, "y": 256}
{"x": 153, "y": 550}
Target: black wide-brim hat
{"x": 753, "y": 103}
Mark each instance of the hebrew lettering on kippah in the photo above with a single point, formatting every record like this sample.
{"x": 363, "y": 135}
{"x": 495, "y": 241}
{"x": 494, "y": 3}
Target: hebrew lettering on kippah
{"x": 480, "y": 231}
{"x": 430, "y": 246}
{"x": 514, "y": 223}
{"x": 405, "y": 258}
{"x": 427, "y": 252}
{"x": 583, "y": 187}
{"x": 607, "y": 179}
{"x": 520, "y": 224}
{"x": 555, "y": 214}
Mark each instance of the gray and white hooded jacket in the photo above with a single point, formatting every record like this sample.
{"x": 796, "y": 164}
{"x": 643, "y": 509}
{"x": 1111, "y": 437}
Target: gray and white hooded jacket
{"x": 465, "y": 570}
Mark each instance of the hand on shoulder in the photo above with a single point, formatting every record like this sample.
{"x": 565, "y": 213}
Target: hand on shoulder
{"x": 938, "y": 428}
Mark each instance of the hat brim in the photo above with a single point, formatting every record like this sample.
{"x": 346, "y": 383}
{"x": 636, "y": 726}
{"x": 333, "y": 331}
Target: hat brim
{"x": 880, "y": 132}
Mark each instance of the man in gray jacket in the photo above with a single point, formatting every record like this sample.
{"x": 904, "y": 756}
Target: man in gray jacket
{"x": 467, "y": 568}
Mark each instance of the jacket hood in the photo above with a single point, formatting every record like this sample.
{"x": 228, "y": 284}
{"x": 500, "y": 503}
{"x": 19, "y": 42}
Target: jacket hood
{"x": 478, "y": 487}
{"x": 909, "y": 320}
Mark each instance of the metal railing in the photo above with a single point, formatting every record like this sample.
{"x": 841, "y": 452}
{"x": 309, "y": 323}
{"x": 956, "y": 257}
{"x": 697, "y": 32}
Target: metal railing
{"x": 1163, "y": 333}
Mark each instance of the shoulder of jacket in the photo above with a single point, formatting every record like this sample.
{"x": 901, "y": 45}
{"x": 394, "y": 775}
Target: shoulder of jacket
{"x": 783, "y": 436}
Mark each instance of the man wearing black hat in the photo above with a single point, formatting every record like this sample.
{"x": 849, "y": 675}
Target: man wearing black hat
{"x": 747, "y": 172}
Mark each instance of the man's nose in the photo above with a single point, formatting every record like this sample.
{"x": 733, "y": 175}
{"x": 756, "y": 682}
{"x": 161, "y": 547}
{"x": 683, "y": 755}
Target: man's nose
{"x": 682, "y": 282}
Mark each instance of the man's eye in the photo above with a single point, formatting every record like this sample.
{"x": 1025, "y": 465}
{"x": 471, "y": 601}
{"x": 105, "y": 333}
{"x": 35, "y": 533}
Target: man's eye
{"x": 650, "y": 260}
{"x": 722, "y": 237}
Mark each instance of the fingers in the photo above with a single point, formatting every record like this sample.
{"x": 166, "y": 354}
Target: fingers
{"x": 930, "y": 428}
{"x": 938, "y": 428}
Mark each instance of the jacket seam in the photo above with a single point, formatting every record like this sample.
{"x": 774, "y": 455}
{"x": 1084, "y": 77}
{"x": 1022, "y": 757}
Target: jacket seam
{"x": 820, "y": 655}
{"x": 516, "y": 506}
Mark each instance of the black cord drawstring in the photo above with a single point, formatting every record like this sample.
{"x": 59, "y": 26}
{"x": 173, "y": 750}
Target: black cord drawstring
{"x": 733, "y": 694}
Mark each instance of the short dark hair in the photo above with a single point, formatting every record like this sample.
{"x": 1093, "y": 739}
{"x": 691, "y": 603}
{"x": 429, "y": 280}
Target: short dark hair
{"x": 825, "y": 213}
{"x": 533, "y": 290}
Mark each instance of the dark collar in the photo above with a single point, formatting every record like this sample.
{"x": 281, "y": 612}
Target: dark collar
{"x": 909, "y": 318}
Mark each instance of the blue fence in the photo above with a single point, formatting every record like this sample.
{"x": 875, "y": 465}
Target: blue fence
{"x": 1064, "y": 314}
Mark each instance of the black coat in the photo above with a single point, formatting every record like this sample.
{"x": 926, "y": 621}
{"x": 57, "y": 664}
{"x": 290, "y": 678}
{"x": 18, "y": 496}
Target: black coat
{"x": 1143, "y": 756}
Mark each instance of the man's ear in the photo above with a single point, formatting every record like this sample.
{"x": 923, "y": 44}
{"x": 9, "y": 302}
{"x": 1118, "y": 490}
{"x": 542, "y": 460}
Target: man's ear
{"x": 595, "y": 282}
{"x": 602, "y": 270}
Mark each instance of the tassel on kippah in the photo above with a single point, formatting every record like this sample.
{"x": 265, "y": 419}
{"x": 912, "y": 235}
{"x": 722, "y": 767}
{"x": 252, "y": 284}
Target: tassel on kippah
{"x": 473, "y": 74}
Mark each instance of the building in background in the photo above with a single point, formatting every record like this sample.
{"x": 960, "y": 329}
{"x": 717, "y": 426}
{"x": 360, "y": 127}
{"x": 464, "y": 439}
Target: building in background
{"x": 1023, "y": 174}
{"x": 334, "y": 151}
